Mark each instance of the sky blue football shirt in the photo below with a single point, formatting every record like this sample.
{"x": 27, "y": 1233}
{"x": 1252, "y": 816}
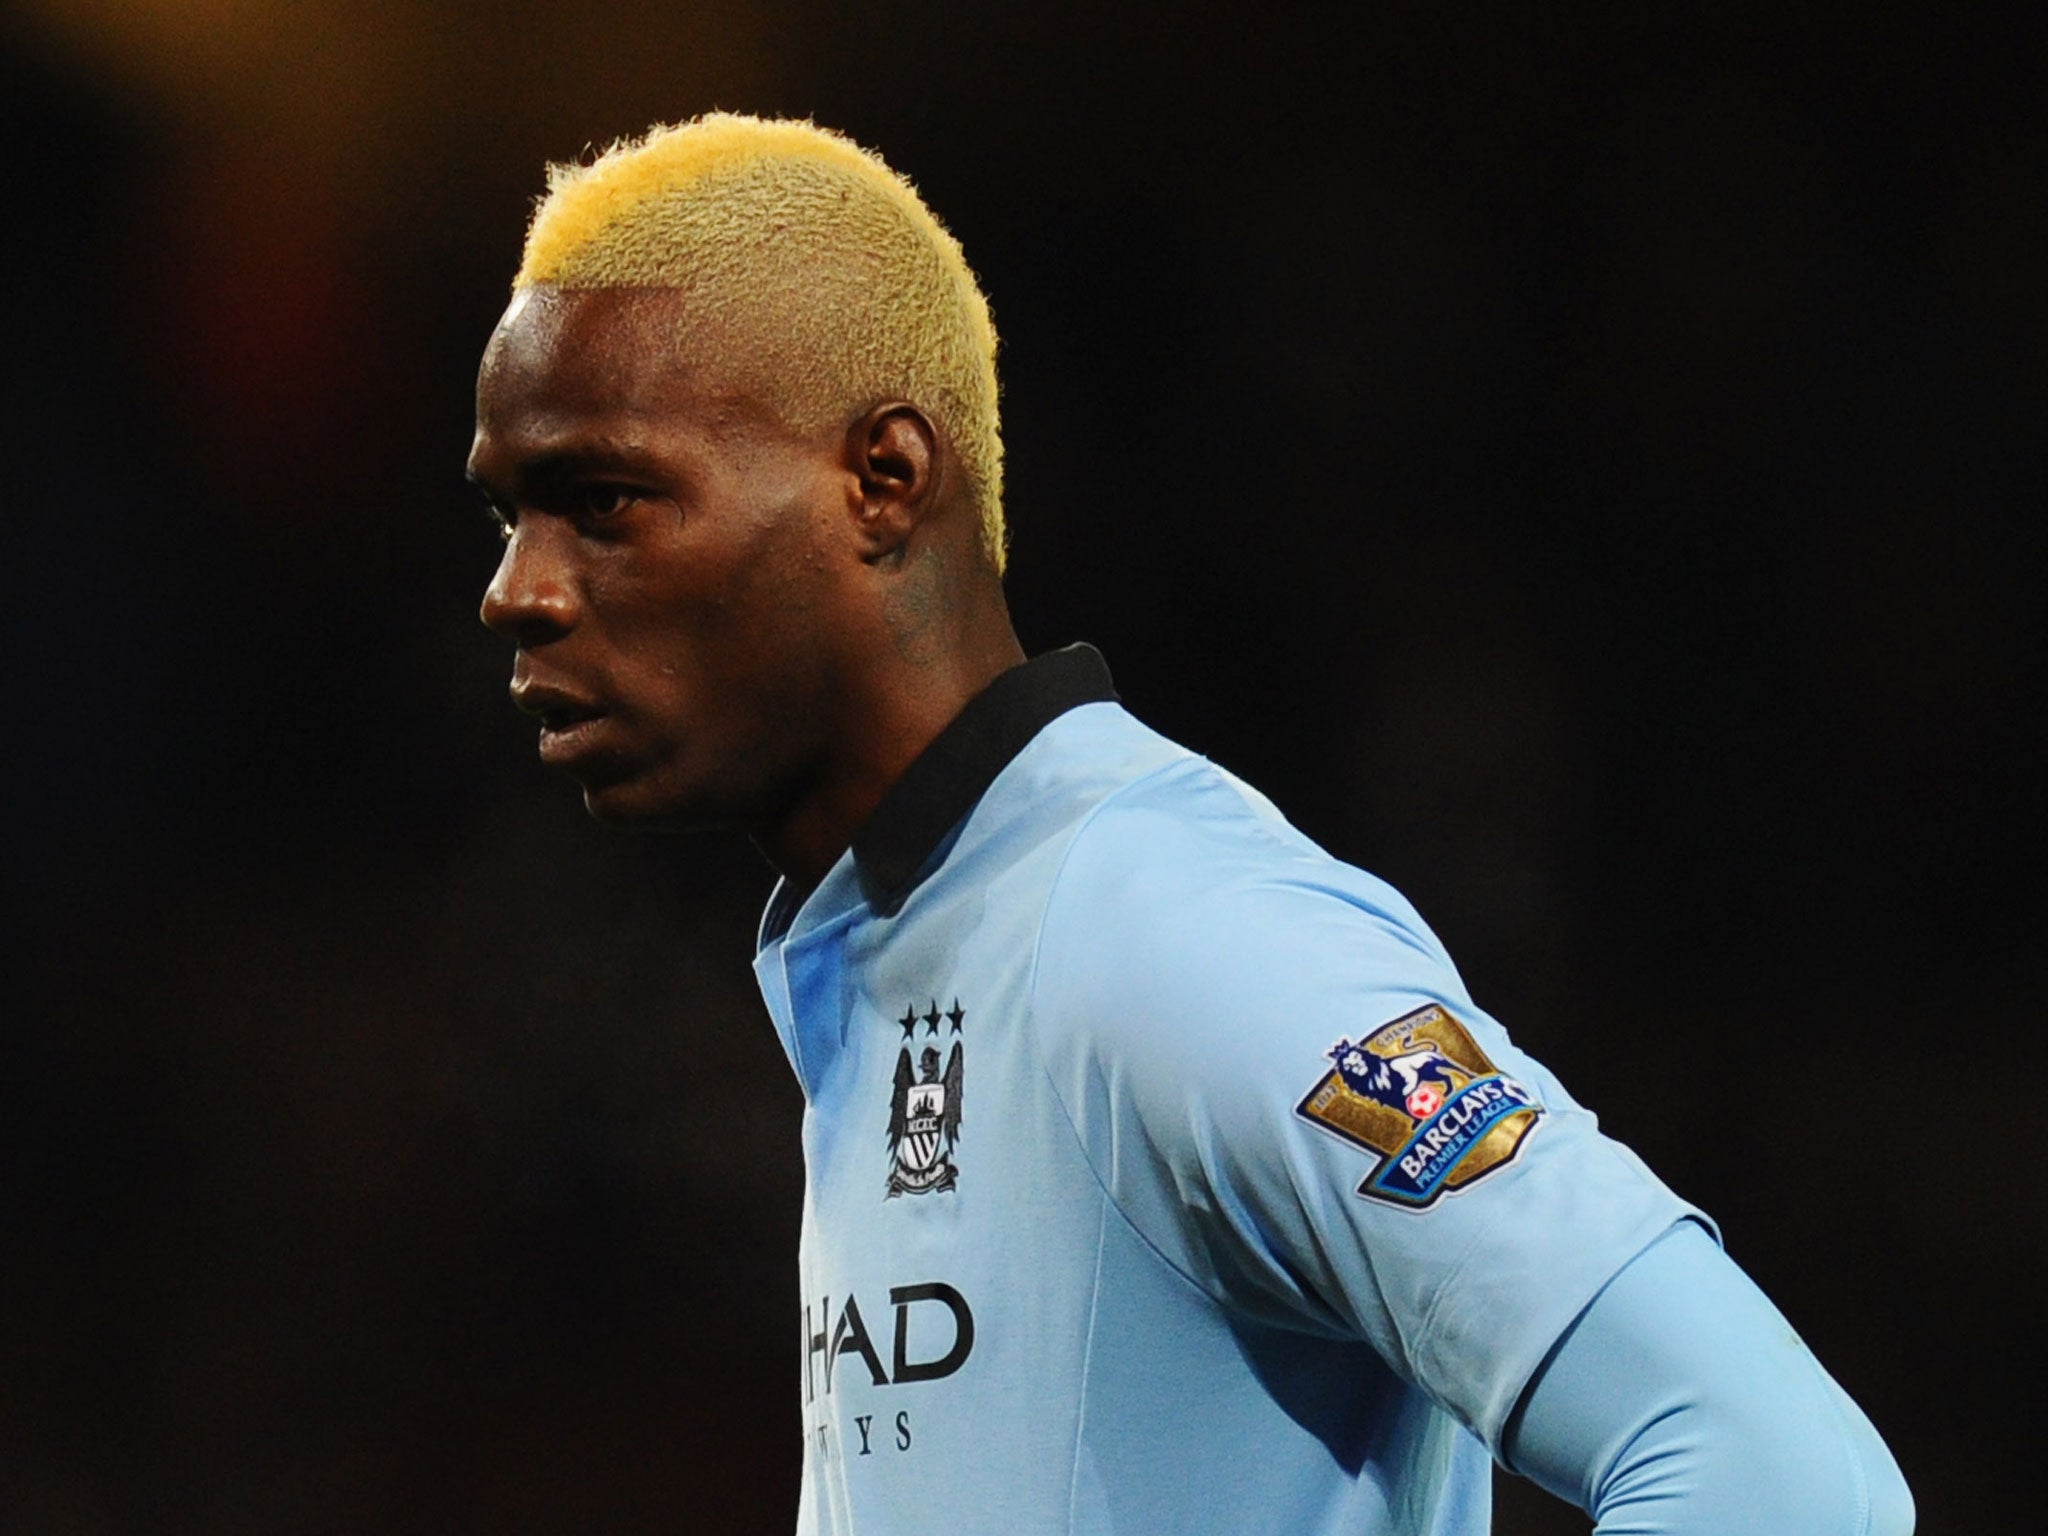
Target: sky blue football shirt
{"x": 1162, "y": 1175}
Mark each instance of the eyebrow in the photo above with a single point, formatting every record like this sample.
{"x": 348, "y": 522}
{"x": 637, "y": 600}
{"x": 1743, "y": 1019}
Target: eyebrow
{"x": 555, "y": 467}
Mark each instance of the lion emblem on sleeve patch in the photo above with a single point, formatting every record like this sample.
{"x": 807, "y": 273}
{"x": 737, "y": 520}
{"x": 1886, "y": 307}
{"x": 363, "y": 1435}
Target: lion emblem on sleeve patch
{"x": 924, "y": 1107}
{"x": 1421, "y": 1097}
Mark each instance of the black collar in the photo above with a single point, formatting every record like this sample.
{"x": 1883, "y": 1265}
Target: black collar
{"x": 951, "y": 775}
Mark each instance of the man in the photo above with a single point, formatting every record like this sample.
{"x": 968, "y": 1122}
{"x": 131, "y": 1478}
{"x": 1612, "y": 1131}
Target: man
{"x": 1163, "y": 1176}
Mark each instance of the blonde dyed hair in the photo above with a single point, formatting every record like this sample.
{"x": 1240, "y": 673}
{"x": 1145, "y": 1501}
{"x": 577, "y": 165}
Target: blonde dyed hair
{"x": 826, "y": 283}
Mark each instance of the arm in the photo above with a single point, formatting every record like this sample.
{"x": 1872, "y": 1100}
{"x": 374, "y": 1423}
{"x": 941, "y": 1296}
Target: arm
{"x": 1681, "y": 1402}
{"x": 1194, "y": 1056}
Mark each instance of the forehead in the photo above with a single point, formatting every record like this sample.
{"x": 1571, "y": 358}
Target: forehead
{"x": 565, "y": 365}
{"x": 604, "y": 349}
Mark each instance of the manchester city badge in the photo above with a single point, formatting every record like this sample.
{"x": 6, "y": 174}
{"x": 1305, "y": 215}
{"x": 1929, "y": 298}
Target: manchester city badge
{"x": 1421, "y": 1096}
{"x": 924, "y": 1109}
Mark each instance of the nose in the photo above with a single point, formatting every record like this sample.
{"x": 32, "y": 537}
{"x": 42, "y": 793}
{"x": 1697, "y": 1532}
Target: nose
{"x": 532, "y": 597}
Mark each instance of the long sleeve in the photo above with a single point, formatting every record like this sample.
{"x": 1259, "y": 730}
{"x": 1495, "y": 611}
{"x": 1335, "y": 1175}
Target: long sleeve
{"x": 1681, "y": 1403}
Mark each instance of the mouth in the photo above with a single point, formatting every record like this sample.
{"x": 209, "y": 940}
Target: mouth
{"x": 569, "y": 725}
{"x": 569, "y": 734}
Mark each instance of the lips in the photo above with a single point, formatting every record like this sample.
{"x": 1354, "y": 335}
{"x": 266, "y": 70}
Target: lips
{"x": 564, "y": 742}
{"x": 571, "y": 726}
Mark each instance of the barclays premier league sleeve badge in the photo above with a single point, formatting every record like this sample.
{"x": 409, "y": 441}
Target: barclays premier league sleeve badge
{"x": 1421, "y": 1096}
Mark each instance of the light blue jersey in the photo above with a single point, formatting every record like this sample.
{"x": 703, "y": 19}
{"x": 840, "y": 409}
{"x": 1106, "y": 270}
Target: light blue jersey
{"x": 1162, "y": 1174}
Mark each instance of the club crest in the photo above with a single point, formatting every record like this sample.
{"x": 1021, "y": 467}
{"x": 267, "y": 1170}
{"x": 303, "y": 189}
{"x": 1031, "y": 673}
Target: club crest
{"x": 924, "y": 1108}
{"x": 1422, "y": 1097}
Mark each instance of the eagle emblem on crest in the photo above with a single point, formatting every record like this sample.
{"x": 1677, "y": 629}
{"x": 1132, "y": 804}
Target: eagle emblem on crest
{"x": 924, "y": 1108}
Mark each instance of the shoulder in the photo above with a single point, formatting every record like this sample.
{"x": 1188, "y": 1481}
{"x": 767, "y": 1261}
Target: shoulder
{"x": 1281, "y": 1079}
{"x": 1189, "y": 887}
{"x": 1198, "y": 958}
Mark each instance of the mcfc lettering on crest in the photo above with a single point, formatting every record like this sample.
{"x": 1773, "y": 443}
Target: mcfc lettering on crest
{"x": 924, "y": 1108}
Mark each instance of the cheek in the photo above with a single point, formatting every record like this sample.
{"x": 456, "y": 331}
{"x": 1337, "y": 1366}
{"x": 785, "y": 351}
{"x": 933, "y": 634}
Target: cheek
{"x": 714, "y": 667}
{"x": 737, "y": 622}
{"x": 779, "y": 600}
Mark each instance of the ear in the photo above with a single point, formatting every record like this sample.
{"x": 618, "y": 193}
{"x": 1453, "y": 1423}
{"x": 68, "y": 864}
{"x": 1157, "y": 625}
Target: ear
{"x": 893, "y": 452}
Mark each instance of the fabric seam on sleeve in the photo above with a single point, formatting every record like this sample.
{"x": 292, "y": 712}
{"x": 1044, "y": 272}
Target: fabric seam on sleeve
{"x": 1859, "y": 1475}
{"x": 1087, "y": 1361}
{"x": 1038, "y": 1042}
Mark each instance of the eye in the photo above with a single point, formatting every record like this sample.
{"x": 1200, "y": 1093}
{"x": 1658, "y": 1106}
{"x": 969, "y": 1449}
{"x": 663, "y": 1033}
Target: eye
{"x": 600, "y": 500}
{"x": 499, "y": 519}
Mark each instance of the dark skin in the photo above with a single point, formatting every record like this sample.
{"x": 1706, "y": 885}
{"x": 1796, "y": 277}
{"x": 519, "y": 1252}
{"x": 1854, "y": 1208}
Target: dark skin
{"x": 721, "y": 620}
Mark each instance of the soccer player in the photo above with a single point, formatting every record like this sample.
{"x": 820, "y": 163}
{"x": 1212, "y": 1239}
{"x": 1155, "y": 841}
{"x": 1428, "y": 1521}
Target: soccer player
{"x": 1162, "y": 1174}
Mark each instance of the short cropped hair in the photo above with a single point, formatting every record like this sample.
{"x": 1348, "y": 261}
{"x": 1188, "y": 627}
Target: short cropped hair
{"x": 830, "y": 285}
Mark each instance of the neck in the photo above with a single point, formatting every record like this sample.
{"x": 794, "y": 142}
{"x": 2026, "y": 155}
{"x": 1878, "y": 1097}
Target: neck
{"x": 888, "y": 718}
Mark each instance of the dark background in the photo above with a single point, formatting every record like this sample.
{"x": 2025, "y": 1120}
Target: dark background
{"x": 1586, "y": 469}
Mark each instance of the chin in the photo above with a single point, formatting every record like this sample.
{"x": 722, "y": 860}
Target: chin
{"x": 618, "y": 806}
{"x": 636, "y": 804}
